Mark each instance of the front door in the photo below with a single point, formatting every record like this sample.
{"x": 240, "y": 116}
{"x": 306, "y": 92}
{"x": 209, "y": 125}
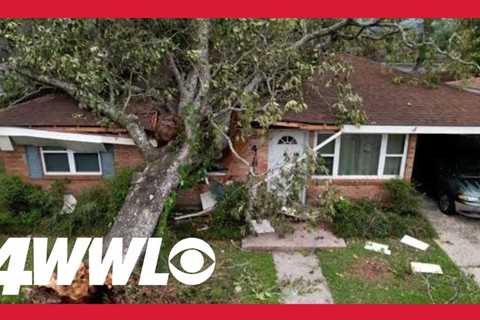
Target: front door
{"x": 283, "y": 145}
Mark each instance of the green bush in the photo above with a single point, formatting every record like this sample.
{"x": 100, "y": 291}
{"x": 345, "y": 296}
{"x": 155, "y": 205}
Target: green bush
{"x": 119, "y": 186}
{"x": 231, "y": 202}
{"x": 23, "y": 206}
{"x": 228, "y": 217}
{"x": 96, "y": 208}
{"x": 365, "y": 219}
{"x": 402, "y": 198}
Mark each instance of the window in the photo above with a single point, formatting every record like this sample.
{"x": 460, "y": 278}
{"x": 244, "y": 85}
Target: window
{"x": 287, "y": 140}
{"x": 394, "y": 154}
{"x": 359, "y": 154}
{"x": 326, "y": 154}
{"x": 363, "y": 155}
{"x": 61, "y": 161}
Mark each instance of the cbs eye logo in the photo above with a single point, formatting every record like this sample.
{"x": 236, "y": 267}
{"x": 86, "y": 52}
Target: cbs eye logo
{"x": 191, "y": 252}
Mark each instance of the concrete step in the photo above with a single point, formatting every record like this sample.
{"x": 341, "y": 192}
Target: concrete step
{"x": 303, "y": 238}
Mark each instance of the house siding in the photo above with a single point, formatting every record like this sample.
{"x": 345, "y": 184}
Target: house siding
{"x": 15, "y": 163}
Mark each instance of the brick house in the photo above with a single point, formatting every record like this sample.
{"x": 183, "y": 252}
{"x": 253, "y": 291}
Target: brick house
{"x": 50, "y": 137}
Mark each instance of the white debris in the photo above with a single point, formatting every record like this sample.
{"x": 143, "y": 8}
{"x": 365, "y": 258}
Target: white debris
{"x": 289, "y": 211}
{"x": 377, "y": 247}
{"x": 264, "y": 226}
{"x": 208, "y": 200}
{"x": 420, "y": 267}
{"x": 410, "y": 241}
{"x": 69, "y": 203}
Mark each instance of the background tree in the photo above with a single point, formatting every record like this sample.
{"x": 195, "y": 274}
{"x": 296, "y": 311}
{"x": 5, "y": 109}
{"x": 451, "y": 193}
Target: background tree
{"x": 200, "y": 70}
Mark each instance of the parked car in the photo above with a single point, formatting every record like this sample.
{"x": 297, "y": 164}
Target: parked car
{"x": 458, "y": 185}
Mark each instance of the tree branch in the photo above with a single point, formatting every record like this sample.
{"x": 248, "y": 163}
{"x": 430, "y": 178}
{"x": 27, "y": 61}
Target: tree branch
{"x": 233, "y": 150}
{"x": 128, "y": 121}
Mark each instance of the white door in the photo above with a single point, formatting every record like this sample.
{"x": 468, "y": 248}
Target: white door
{"x": 284, "y": 143}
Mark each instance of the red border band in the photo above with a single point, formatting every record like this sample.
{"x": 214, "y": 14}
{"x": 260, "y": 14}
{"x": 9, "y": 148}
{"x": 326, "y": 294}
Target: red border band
{"x": 231, "y": 312}
{"x": 242, "y": 8}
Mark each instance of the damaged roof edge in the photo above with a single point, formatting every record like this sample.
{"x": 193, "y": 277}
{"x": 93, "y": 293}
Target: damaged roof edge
{"x": 64, "y": 136}
{"x": 412, "y": 129}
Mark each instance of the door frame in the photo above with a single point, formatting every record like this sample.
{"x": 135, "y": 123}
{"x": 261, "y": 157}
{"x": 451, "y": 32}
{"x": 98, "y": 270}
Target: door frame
{"x": 275, "y": 134}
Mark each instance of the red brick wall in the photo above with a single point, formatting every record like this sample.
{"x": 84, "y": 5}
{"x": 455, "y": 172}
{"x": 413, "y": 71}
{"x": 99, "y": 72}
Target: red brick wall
{"x": 127, "y": 156}
{"x": 15, "y": 164}
{"x": 236, "y": 169}
{"x": 130, "y": 156}
{"x": 412, "y": 145}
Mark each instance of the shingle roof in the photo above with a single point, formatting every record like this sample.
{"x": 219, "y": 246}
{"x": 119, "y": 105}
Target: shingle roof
{"x": 388, "y": 103}
{"x": 62, "y": 111}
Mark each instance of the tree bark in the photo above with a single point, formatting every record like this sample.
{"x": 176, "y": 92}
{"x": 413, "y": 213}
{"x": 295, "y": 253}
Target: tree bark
{"x": 144, "y": 204}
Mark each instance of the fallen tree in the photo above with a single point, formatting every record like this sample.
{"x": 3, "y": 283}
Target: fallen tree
{"x": 201, "y": 71}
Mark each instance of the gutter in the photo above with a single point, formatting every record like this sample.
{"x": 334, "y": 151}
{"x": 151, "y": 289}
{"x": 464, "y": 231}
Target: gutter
{"x": 6, "y": 133}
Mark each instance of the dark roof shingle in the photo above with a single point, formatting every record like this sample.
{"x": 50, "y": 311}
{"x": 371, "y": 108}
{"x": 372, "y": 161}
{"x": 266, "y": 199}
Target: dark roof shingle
{"x": 388, "y": 103}
{"x": 55, "y": 110}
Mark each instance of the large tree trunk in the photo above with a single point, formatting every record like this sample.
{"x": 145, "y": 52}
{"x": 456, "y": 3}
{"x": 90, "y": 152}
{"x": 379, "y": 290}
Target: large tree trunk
{"x": 144, "y": 204}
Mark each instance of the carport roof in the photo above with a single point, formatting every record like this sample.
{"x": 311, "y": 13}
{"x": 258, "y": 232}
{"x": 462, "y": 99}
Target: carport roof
{"x": 388, "y": 103}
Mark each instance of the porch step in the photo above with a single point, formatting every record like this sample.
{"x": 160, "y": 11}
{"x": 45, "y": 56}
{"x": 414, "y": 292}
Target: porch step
{"x": 303, "y": 238}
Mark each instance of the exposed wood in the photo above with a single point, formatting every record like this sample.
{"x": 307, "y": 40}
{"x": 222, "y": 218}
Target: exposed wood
{"x": 305, "y": 126}
{"x": 83, "y": 129}
{"x": 194, "y": 215}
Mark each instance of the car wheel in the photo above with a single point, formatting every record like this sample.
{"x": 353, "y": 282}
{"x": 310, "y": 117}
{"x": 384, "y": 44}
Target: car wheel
{"x": 446, "y": 204}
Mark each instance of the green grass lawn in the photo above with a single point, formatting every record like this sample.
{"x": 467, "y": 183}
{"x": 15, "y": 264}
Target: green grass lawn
{"x": 356, "y": 275}
{"x": 239, "y": 276}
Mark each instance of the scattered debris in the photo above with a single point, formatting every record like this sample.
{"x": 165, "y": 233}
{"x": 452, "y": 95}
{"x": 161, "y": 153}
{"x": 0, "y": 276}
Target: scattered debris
{"x": 69, "y": 203}
{"x": 208, "y": 200}
{"x": 262, "y": 227}
{"x": 410, "y": 241}
{"x": 203, "y": 228}
{"x": 419, "y": 267}
{"x": 290, "y": 212}
{"x": 377, "y": 247}
{"x": 194, "y": 215}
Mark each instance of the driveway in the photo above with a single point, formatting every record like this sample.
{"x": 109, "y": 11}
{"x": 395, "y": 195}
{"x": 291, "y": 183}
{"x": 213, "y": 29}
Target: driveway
{"x": 458, "y": 236}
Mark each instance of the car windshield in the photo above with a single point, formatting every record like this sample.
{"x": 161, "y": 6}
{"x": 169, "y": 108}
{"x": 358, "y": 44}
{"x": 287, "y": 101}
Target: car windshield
{"x": 468, "y": 167}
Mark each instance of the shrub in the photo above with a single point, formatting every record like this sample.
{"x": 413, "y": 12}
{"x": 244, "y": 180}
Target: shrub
{"x": 119, "y": 186}
{"x": 231, "y": 205}
{"x": 365, "y": 219}
{"x": 402, "y": 198}
{"x": 22, "y": 205}
{"x": 96, "y": 208}
{"x": 228, "y": 216}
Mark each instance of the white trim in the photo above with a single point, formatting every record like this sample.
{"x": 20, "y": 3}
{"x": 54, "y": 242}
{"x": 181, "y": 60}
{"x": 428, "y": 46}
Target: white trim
{"x": 6, "y": 144}
{"x": 405, "y": 156}
{"x": 336, "y": 160}
{"x": 65, "y": 136}
{"x": 411, "y": 129}
{"x": 381, "y": 161}
{"x": 382, "y": 155}
{"x": 71, "y": 163}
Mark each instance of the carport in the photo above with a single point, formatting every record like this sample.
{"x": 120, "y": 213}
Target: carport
{"x": 442, "y": 152}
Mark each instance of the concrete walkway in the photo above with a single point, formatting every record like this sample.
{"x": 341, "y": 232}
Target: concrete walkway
{"x": 301, "y": 279}
{"x": 299, "y": 275}
{"x": 303, "y": 238}
{"x": 459, "y": 237}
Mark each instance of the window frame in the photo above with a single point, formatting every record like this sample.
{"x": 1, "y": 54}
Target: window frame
{"x": 71, "y": 163}
{"x": 381, "y": 162}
